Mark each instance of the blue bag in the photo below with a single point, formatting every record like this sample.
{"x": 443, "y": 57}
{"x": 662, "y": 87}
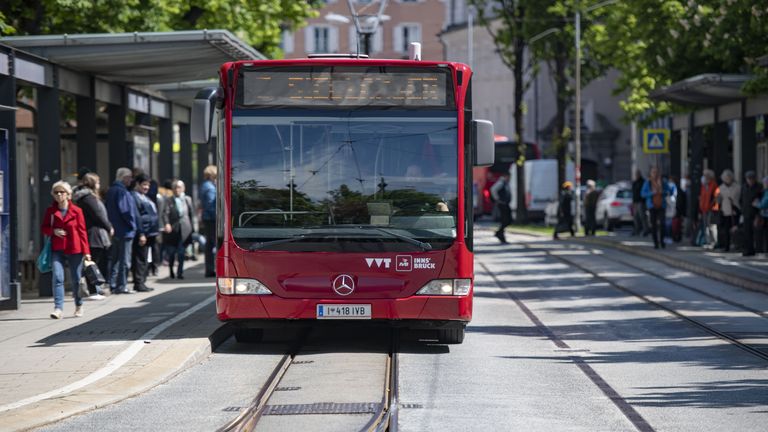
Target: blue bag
{"x": 44, "y": 260}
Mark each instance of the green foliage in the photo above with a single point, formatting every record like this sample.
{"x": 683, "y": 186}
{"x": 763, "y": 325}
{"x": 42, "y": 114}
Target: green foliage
{"x": 654, "y": 43}
{"x": 258, "y": 22}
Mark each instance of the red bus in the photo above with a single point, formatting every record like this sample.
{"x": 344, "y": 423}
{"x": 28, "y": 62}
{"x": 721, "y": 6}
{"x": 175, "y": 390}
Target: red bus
{"x": 344, "y": 192}
{"x": 506, "y": 153}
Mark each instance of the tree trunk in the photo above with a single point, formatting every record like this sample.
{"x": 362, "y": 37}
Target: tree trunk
{"x": 521, "y": 214}
{"x": 559, "y": 139}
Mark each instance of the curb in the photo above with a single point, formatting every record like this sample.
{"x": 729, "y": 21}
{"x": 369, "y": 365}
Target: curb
{"x": 79, "y": 402}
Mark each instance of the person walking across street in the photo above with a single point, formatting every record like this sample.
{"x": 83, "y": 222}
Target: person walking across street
{"x": 655, "y": 191}
{"x": 121, "y": 209}
{"x": 709, "y": 208}
{"x": 502, "y": 195}
{"x": 751, "y": 193}
{"x": 178, "y": 222}
{"x": 86, "y": 196}
{"x": 564, "y": 211}
{"x": 147, "y": 230}
{"x": 208, "y": 217}
{"x": 64, "y": 223}
{"x": 640, "y": 221}
{"x": 590, "y": 208}
{"x": 728, "y": 200}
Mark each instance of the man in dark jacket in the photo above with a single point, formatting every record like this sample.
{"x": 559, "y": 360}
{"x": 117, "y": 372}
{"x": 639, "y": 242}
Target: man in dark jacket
{"x": 121, "y": 209}
{"x": 751, "y": 192}
{"x": 208, "y": 217}
{"x": 147, "y": 230}
{"x": 502, "y": 195}
{"x": 640, "y": 225}
{"x": 564, "y": 211}
{"x": 590, "y": 208}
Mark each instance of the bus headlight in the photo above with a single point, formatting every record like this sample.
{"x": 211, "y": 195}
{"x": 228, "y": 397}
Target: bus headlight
{"x": 446, "y": 287}
{"x": 231, "y": 286}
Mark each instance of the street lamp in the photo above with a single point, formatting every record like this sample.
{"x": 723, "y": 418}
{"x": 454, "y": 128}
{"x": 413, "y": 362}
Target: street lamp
{"x": 577, "y": 125}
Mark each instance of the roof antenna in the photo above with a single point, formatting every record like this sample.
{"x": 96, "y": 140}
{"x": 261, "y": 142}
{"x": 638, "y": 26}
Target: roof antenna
{"x": 414, "y": 51}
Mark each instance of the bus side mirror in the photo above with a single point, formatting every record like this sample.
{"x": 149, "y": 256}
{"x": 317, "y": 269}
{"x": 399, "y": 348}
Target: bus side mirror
{"x": 201, "y": 119}
{"x": 483, "y": 142}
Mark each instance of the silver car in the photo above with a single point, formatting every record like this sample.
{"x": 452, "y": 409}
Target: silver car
{"x": 614, "y": 206}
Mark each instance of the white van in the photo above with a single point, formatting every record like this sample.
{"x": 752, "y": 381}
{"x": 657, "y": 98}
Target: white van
{"x": 541, "y": 186}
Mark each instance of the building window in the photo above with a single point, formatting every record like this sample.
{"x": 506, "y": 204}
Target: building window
{"x": 404, "y": 34}
{"x": 286, "y": 42}
{"x": 321, "y": 39}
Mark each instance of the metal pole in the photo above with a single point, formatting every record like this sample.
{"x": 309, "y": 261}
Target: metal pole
{"x": 470, "y": 39}
{"x": 577, "y": 163}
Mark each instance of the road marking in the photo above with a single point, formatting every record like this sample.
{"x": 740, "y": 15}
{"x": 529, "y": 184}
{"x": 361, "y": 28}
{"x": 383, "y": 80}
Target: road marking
{"x": 117, "y": 362}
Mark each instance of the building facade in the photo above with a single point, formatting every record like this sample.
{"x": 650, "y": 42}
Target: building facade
{"x": 404, "y": 21}
{"x": 606, "y": 151}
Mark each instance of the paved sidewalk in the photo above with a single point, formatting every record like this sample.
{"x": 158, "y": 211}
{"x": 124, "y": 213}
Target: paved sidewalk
{"x": 123, "y": 346}
{"x": 729, "y": 267}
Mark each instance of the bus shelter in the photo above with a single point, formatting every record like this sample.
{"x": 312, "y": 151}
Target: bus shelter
{"x": 99, "y": 101}
{"x": 724, "y": 129}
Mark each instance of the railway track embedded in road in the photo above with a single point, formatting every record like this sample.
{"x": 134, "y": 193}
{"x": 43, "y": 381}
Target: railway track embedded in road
{"x": 707, "y": 328}
{"x": 383, "y": 414}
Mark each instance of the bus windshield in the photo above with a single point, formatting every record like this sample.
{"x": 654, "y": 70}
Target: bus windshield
{"x": 344, "y": 180}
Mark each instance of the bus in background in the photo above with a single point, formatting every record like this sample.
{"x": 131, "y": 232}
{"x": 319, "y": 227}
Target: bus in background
{"x": 344, "y": 192}
{"x": 506, "y": 153}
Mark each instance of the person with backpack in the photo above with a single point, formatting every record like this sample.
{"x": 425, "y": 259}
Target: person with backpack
{"x": 655, "y": 191}
{"x": 147, "y": 230}
{"x": 502, "y": 195}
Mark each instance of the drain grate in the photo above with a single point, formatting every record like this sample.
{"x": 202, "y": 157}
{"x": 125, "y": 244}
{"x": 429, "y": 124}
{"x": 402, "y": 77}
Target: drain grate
{"x": 287, "y": 388}
{"x": 323, "y": 408}
{"x": 302, "y": 362}
{"x": 411, "y": 406}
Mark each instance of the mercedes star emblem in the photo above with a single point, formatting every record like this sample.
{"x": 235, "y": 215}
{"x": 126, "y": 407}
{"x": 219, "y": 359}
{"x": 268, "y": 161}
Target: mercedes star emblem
{"x": 343, "y": 285}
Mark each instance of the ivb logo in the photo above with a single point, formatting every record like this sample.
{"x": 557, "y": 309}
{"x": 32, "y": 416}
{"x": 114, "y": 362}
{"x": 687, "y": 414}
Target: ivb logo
{"x": 404, "y": 263}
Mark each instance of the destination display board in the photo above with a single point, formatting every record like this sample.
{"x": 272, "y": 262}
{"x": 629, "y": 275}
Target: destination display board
{"x": 329, "y": 86}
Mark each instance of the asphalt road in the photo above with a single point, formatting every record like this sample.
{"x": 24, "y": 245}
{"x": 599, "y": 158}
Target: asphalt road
{"x": 554, "y": 345}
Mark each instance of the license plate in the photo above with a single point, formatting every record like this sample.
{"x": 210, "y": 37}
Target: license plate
{"x": 343, "y": 311}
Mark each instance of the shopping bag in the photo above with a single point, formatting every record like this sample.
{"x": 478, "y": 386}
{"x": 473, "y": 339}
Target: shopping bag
{"x": 44, "y": 260}
{"x": 92, "y": 274}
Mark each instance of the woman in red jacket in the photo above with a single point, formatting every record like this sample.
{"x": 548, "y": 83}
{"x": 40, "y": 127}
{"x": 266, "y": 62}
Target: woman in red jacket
{"x": 65, "y": 225}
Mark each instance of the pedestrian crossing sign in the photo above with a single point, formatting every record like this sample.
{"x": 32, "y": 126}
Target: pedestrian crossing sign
{"x": 655, "y": 141}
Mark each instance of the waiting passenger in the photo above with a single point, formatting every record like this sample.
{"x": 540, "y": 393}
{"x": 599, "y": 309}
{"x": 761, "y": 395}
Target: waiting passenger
{"x": 178, "y": 222}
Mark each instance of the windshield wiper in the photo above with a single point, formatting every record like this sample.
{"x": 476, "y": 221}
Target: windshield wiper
{"x": 260, "y": 245}
{"x": 423, "y": 245}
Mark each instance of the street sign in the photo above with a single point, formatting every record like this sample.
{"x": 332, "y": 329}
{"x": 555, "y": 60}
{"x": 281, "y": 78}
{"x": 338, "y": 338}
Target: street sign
{"x": 655, "y": 141}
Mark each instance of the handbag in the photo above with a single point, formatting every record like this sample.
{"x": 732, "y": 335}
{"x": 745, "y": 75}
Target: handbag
{"x": 93, "y": 274}
{"x": 44, "y": 260}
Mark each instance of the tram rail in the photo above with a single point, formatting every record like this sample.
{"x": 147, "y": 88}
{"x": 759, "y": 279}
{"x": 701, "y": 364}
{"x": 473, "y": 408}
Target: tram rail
{"x": 707, "y": 328}
{"x": 384, "y": 418}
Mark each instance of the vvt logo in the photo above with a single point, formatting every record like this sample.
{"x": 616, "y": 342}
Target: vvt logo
{"x": 378, "y": 262}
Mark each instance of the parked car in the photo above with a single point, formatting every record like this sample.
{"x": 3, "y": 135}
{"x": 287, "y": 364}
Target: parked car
{"x": 614, "y": 206}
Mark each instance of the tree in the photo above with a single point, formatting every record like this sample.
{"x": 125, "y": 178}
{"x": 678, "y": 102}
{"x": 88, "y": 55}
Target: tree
{"x": 654, "y": 43}
{"x": 505, "y": 22}
{"x": 259, "y": 22}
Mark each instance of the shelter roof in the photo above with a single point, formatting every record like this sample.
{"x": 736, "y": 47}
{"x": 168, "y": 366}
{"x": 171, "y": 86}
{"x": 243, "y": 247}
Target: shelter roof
{"x": 141, "y": 58}
{"x": 706, "y": 89}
